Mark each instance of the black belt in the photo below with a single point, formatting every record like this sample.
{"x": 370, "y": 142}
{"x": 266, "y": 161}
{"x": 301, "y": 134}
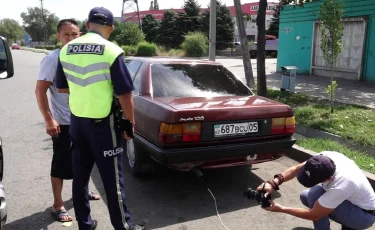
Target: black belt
{"x": 372, "y": 212}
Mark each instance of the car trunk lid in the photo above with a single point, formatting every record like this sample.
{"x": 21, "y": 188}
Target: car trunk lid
{"x": 225, "y": 108}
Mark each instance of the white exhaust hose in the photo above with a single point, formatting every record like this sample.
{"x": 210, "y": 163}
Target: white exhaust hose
{"x": 199, "y": 174}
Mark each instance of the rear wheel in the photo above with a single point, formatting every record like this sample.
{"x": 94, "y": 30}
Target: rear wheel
{"x": 139, "y": 161}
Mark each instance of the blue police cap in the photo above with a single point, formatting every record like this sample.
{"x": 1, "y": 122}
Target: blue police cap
{"x": 101, "y": 15}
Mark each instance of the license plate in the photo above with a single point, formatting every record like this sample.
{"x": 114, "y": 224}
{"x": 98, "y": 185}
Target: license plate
{"x": 235, "y": 129}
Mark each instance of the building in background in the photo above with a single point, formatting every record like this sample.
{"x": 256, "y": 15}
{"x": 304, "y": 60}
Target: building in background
{"x": 300, "y": 40}
{"x": 250, "y": 9}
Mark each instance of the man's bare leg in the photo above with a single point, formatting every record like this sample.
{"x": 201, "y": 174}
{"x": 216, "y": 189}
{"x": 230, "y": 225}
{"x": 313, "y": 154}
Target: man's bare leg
{"x": 58, "y": 204}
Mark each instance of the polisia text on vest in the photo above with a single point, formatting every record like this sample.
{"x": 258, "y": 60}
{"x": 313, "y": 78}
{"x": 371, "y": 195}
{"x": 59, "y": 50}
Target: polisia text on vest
{"x": 85, "y": 49}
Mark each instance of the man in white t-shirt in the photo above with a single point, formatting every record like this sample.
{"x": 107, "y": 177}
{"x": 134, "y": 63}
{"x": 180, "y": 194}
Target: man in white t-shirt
{"x": 57, "y": 119}
{"x": 345, "y": 195}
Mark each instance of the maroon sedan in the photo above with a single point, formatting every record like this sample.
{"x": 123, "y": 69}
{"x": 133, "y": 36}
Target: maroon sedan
{"x": 197, "y": 113}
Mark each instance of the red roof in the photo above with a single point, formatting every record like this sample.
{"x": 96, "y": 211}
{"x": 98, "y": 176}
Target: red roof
{"x": 248, "y": 8}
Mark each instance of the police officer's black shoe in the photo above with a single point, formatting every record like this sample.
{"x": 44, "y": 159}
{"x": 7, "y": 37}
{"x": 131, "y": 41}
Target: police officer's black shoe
{"x": 94, "y": 224}
{"x": 138, "y": 227}
{"x": 346, "y": 228}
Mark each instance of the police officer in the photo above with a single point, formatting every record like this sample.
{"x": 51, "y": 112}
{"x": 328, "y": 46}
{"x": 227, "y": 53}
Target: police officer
{"x": 91, "y": 69}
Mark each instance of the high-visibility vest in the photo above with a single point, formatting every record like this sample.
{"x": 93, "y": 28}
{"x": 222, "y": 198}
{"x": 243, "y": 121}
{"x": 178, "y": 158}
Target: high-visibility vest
{"x": 86, "y": 62}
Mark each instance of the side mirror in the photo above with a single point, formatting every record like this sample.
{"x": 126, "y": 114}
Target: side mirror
{"x": 6, "y": 60}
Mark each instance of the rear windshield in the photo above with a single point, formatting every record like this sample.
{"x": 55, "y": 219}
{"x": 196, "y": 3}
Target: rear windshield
{"x": 200, "y": 80}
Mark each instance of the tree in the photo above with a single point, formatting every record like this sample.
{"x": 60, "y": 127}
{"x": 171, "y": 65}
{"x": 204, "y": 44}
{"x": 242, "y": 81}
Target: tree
{"x": 187, "y": 21}
{"x": 224, "y": 25}
{"x": 39, "y": 26}
{"x": 248, "y": 18}
{"x": 10, "y": 29}
{"x": 150, "y": 27}
{"x": 275, "y": 22}
{"x": 152, "y": 5}
{"x": 156, "y": 5}
{"x": 192, "y": 12}
{"x": 332, "y": 30}
{"x": 82, "y": 26}
{"x": 166, "y": 35}
{"x": 53, "y": 39}
{"x": 182, "y": 27}
{"x": 127, "y": 33}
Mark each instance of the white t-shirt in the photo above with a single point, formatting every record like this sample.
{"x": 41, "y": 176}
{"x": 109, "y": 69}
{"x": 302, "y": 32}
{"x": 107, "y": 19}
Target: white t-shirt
{"x": 349, "y": 183}
{"x": 58, "y": 101}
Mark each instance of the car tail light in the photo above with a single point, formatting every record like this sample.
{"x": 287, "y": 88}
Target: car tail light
{"x": 191, "y": 132}
{"x": 290, "y": 125}
{"x": 175, "y": 133}
{"x": 278, "y": 125}
{"x": 283, "y": 125}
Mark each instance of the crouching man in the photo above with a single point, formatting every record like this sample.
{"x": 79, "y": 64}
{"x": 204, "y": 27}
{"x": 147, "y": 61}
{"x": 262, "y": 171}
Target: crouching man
{"x": 339, "y": 191}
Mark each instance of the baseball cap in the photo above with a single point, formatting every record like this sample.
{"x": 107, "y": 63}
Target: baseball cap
{"x": 101, "y": 15}
{"x": 316, "y": 170}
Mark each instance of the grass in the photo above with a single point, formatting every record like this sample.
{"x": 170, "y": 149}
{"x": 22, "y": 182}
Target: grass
{"x": 363, "y": 160}
{"x": 162, "y": 51}
{"x": 352, "y": 122}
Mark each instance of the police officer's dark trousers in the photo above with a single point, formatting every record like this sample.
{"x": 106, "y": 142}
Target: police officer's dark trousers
{"x": 99, "y": 141}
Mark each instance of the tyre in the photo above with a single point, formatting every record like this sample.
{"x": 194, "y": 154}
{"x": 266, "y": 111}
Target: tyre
{"x": 139, "y": 162}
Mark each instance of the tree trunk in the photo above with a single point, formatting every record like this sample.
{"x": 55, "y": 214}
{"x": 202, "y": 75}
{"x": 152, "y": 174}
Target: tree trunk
{"x": 261, "y": 43}
{"x": 332, "y": 88}
{"x": 244, "y": 45}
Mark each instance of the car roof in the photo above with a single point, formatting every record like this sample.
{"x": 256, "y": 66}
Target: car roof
{"x": 156, "y": 60}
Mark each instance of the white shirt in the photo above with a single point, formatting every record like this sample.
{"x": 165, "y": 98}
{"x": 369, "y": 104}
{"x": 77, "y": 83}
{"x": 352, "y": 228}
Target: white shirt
{"x": 59, "y": 101}
{"x": 349, "y": 183}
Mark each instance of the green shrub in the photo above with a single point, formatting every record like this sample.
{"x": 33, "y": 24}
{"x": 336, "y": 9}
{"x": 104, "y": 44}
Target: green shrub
{"x": 48, "y": 47}
{"x": 195, "y": 44}
{"x": 129, "y": 50}
{"x": 146, "y": 49}
{"x": 127, "y": 33}
{"x": 58, "y": 45}
{"x": 176, "y": 53}
{"x": 162, "y": 51}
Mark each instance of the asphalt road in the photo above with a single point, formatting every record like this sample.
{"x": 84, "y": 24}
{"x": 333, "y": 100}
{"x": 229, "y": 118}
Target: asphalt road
{"x": 166, "y": 200}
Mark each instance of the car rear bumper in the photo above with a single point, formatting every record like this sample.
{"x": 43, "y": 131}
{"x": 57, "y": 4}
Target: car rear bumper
{"x": 175, "y": 156}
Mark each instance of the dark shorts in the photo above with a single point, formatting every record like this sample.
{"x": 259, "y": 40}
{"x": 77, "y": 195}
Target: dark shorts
{"x": 61, "y": 166}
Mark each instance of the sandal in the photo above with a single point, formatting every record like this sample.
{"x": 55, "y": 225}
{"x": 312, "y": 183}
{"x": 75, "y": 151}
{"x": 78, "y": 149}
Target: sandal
{"x": 59, "y": 214}
{"x": 93, "y": 196}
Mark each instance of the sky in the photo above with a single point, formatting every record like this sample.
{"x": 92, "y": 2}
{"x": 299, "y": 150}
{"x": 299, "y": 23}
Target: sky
{"x": 79, "y": 9}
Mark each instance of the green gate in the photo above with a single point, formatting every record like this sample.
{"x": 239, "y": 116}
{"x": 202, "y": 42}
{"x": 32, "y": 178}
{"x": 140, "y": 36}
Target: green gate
{"x": 369, "y": 71}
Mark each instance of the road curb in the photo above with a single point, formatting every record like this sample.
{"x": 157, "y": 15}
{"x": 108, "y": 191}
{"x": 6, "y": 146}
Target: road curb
{"x": 315, "y": 133}
{"x": 300, "y": 154}
{"x": 36, "y": 50}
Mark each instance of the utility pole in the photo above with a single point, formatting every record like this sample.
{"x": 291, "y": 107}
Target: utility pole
{"x": 132, "y": 5}
{"x": 43, "y": 23}
{"x": 122, "y": 11}
{"x": 212, "y": 39}
{"x": 244, "y": 45}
